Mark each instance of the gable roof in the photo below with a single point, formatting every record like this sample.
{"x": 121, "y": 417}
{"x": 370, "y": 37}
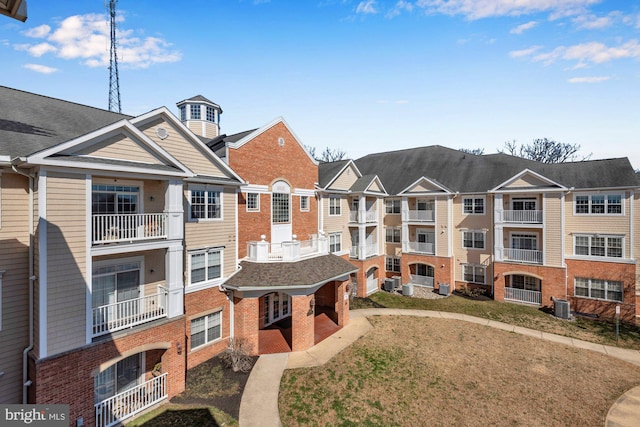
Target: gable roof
{"x": 364, "y": 183}
{"x": 199, "y": 99}
{"x": 30, "y": 123}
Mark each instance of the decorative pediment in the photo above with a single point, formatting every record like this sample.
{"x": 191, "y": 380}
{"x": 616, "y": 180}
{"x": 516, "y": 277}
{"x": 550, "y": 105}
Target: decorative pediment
{"x": 528, "y": 180}
{"x": 345, "y": 178}
{"x": 425, "y": 185}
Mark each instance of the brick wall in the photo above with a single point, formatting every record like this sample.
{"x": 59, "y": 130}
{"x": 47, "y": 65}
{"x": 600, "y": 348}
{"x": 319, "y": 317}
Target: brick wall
{"x": 302, "y": 333}
{"x": 67, "y": 379}
{"x": 246, "y": 321}
{"x": 553, "y": 280}
{"x": 442, "y": 268}
{"x": 364, "y": 266}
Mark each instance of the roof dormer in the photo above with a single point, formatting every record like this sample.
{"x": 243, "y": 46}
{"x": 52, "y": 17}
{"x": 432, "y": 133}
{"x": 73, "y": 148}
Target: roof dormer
{"x": 201, "y": 116}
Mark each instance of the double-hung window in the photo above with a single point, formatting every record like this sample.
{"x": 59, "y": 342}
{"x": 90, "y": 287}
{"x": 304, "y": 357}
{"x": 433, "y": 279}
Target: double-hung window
{"x": 598, "y": 246}
{"x": 335, "y": 242}
{"x": 392, "y": 206}
{"x": 394, "y": 234}
{"x": 596, "y": 288}
{"x": 304, "y": 203}
{"x": 205, "y": 265}
{"x": 206, "y": 329}
{"x": 392, "y": 264}
{"x": 206, "y": 203}
{"x": 253, "y": 202}
{"x": 334, "y": 205}
{"x": 473, "y": 205}
{"x": 473, "y": 273}
{"x": 598, "y": 204}
{"x": 473, "y": 239}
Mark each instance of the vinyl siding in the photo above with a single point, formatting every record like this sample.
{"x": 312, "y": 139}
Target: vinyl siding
{"x": 526, "y": 181}
{"x": 462, "y": 222}
{"x": 345, "y": 180}
{"x": 14, "y": 259}
{"x": 442, "y": 221}
{"x": 336, "y": 223}
{"x": 66, "y": 261}
{"x": 123, "y": 148}
{"x": 186, "y": 152}
{"x": 552, "y": 240}
{"x": 602, "y": 224}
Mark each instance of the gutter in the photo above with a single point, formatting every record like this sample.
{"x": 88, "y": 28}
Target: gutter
{"x": 32, "y": 278}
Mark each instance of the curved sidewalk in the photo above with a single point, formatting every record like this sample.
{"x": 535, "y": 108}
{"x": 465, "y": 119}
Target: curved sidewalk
{"x": 259, "y": 405}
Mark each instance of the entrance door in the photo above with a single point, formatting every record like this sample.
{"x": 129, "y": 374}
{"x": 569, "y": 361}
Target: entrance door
{"x": 281, "y": 228}
{"x": 276, "y": 307}
{"x": 115, "y": 284}
{"x": 426, "y": 241}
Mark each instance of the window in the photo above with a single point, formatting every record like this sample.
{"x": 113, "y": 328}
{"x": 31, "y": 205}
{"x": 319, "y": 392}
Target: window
{"x": 334, "y": 205}
{"x": 392, "y": 206}
{"x": 599, "y": 246}
{"x": 425, "y": 270}
{"x": 528, "y": 283}
{"x": 473, "y": 273}
{"x": 394, "y": 234}
{"x": 114, "y": 199}
{"x": 114, "y": 283}
{"x": 600, "y": 289}
{"x": 304, "y": 203}
{"x": 211, "y": 114}
{"x": 280, "y": 208}
{"x": 206, "y": 329}
{"x": 205, "y": 204}
{"x": 524, "y": 241}
{"x": 253, "y": 202}
{"x": 335, "y": 242}
{"x": 473, "y": 239}
{"x": 392, "y": 264}
{"x": 599, "y": 204}
{"x": 527, "y": 204}
{"x": 205, "y": 265}
{"x": 118, "y": 377}
{"x": 473, "y": 205}
{"x": 195, "y": 112}
{"x": 183, "y": 113}
{"x": 276, "y": 306}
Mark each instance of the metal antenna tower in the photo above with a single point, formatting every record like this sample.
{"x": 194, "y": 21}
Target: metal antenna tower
{"x": 114, "y": 80}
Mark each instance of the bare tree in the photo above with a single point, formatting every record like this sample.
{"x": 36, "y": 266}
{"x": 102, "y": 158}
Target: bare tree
{"x": 545, "y": 150}
{"x": 475, "y": 151}
{"x": 327, "y": 155}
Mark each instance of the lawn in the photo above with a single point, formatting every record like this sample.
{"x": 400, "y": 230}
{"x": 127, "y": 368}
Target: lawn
{"x": 598, "y": 331}
{"x": 427, "y": 371}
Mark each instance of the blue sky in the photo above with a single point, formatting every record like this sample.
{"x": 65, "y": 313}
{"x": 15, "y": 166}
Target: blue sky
{"x": 362, "y": 76}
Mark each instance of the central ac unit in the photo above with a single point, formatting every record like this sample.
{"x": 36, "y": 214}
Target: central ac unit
{"x": 444, "y": 289}
{"x": 562, "y": 309}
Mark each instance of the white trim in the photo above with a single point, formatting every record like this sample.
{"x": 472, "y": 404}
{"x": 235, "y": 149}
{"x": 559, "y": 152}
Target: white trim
{"x": 525, "y": 234}
{"x": 393, "y": 199}
{"x": 589, "y": 204}
{"x": 598, "y": 257}
{"x": 474, "y": 265}
{"x": 473, "y": 240}
{"x": 42, "y": 268}
{"x": 340, "y": 172}
{"x": 270, "y": 314}
{"x": 303, "y": 192}
{"x": 207, "y": 188}
{"x": 206, "y": 329}
{"x": 473, "y": 206}
{"x": 255, "y": 188}
{"x": 247, "y": 201}
{"x": 305, "y": 197}
{"x": 544, "y": 230}
{"x": 520, "y": 175}
{"x": 406, "y": 191}
{"x": 89, "y": 259}
{"x": 206, "y": 283}
{"x": 631, "y": 227}
{"x": 605, "y": 290}
{"x": 339, "y": 198}
{"x": 237, "y": 250}
{"x": 257, "y": 132}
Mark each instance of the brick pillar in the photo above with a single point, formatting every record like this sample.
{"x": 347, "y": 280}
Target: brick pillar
{"x": 302, "y": 322}
{"x": 246, "y": 321}
{"x": 342, "y": 303}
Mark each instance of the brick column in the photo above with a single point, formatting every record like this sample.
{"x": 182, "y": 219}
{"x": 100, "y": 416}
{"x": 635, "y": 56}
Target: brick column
{"x": 246, "y": 321}
{"x": 342, "y": 303}
{"x": 302, "y": 323}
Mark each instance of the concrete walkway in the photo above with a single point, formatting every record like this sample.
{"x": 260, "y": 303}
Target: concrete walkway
{"x": 259, "y": 406}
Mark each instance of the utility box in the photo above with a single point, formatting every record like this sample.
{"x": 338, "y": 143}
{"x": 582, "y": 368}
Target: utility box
{"x": 407, "y": 290}
{"x": 397, "y": 281}
{"x": 562, "y": 308}
{"x": 444, "y": 289}
{"x": 388, "y": 285}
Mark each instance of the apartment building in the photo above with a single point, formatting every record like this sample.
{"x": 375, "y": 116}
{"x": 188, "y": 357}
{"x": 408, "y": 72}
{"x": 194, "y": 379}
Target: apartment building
{"x": 515, "y": 229}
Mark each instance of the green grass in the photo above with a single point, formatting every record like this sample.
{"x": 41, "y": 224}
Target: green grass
{"x": 597, "y": 331}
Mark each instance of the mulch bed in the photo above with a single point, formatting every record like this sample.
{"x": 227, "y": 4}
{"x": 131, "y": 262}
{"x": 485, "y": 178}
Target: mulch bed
{"x": 213, "y": 384}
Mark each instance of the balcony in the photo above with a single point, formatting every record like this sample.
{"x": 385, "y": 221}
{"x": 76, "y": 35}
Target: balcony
{"x": 418, "y": 247}
{"x": 369, "y": 251}
{"x": 416, "y": 279}
{"x": 125, "y": 314}
{"x": 526, "y": 256}
{"x": 293, "y": 250}
{"x": 419, "y": 216}
{"x": 363, "y": 217}
{"x": 115, "y": 409}
{"x": 523, "y": 296}
{"x": 115, "y": 228}
{"x": 522, "y": 217}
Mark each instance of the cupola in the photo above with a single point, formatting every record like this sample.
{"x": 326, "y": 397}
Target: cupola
{"x": 201, "y": 116}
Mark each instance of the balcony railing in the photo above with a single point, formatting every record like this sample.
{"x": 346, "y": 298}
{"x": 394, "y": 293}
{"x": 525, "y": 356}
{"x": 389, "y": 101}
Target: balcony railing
{"x": 526, "y": 256}
{"x": 114, "y": 410}
{"x": 523, "y": 295}
{"x": 422, "y": 280}
{"x": 369, "y": 251}
{"x": 522, "y": 217}
{"x": 114, "y": 228}
{"x": 125, "y": 314}
{"x": 419, "y": 216}
{"x": 418, "y": 247}
{"x": 264, "y": 251}
{"x": 369, "y": 216}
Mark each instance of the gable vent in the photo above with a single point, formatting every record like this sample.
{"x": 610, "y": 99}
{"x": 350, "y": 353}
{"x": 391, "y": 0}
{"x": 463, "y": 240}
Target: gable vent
{"x": 162, "y": 132}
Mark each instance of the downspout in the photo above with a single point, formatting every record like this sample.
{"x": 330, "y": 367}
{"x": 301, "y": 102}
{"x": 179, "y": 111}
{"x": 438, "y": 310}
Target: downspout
{"x": 32, "y": 278}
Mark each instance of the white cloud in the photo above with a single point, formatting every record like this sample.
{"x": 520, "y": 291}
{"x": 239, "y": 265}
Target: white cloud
{"x": 592, "y": 52}
{"x": 40, "y": 68}
{"x": 478, "y": 9}
{"x": 367, "y": 7}
{"x": 588, "y": 79}
{"x": 524, "y": 52}
{"x": 593, "y": 22}
{"x": 523, "y": 27}
{"x": 38, "y": 32}
{"x": 399, "y": 7}
{"x": 87, "y": 37}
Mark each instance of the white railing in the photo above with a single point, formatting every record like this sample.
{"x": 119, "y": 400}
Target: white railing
{"x": 523, "y": 217}
{"x": 372, "y": 285}
{"x": 286, "y": 251}
{"x": 425, "y": 248}
{"x": 354, "y": 251}
{"x": 369, "y": 216}
{"x": 522, "y": 255}
{"x": 422, "y": 280}
{"x": 523, "y": 295}
{"x": 369, "y": 250}
{"x": 124, "y": 314}
{"x": 353, "y": 216}
{"x": 113, "y": 228}
{"x": 419, "y": 215}
{"x": 123, "y": 405}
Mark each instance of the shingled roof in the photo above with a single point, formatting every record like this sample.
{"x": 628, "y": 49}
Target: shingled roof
{"x": 328, "y": 171}
{"x": 300, "y": 274}
{"x": 30, "y": 123}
